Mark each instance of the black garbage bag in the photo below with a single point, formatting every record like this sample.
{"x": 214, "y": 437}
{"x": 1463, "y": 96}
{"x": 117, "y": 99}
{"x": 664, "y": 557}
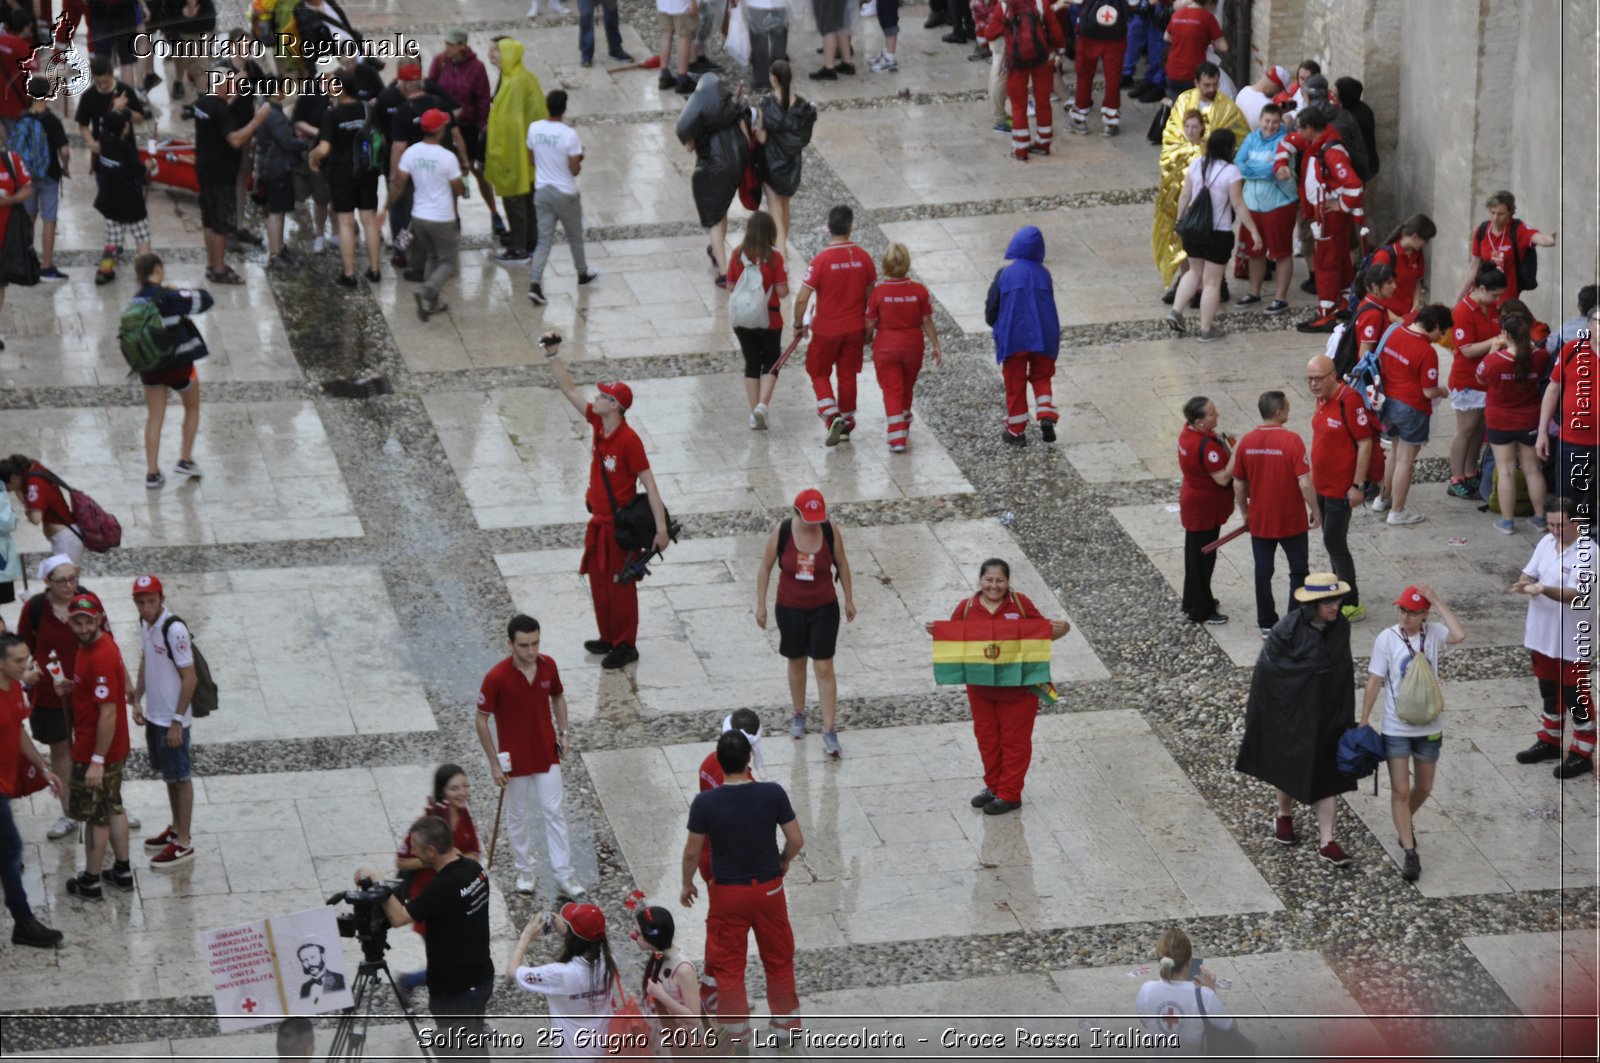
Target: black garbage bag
{"x": 788, "y": 133}
{"x": 715, "y": 123}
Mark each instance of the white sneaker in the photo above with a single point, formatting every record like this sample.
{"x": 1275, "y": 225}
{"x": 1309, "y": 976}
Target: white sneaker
{"x": 319, "y": 246}
{"x": 134, "y": 822}
{"x": 1380, "y": 504}
{"x": 882, "y": 63}
{"x": 571, "y": 887}
{"x": 758, "y": 419}
{"x": 869, "y": 9}
{"x": 1405, "y": 516}
{"x": 753, "y": 425}
{"x": 525, "y": 883}
{"x": 62, "y": 828}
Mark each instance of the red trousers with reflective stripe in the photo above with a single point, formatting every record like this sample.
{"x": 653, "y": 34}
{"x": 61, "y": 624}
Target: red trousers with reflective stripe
{"x": 1110, "y": 53}
{"x": 1004, "y": 730}
{"x": 1330, "y": 259}
{"x": 616, "y": 605}
{"x": 897, "y": 376}
{"x": 1021, "y": 371}
{"x": 734, "y": 912}
{"x": 1564, "y": 687}
{"x": 824, "y": 354}
{"x": 1039, "y": 79}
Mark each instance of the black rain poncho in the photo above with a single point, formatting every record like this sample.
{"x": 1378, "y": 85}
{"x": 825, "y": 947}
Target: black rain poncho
{"x": 788, "y": 133}
{"x": 714, "y": 123}
{"x": 1302, "y": 700}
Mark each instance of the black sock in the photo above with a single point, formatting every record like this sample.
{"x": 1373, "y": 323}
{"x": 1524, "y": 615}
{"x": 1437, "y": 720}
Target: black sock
{"x": 120, "y": 865}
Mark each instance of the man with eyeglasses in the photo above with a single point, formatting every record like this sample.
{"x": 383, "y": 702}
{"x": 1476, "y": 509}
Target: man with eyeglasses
{"x": 1345, "y": 457}
{"x": 1559, "y": 582}
{"x": 43, "y": 626}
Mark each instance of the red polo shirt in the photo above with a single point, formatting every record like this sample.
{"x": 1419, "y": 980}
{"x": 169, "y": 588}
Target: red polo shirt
{"x": 1191, "y": 30}
{"x": 1409, "y": 363}
{"x": 1337, "y": 426}
{"x": 1495, "y": 250}
{"x": 521, "y": 709}
{"x": 43, "y": 495}
{"x": 1203, "y": 504}
{"x": 1471, "y": 322}
{"x": 51, "y": 634}
{"x": 1409, "y": 266}
{"x": 1511, "y": 402}
{"x": 1372, "y": 317}
{"x": 98, "y": 676}
{"x": 1576, "y": 371}
{"x": 841, "y": 275}
{"x": 621, "y": 455}
{"x": 897, "y": 307}
{"x": 13, "y": 710}
{"x": 1271, "y": 459}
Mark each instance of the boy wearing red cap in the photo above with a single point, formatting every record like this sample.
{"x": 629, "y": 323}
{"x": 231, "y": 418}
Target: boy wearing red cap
{"x": 618, "y": 468}
{"x": 98, "y": 690}
{"x": 167, "y": 682}
{"x": 1396, "y": 651}
{"x": 435, "y": 173}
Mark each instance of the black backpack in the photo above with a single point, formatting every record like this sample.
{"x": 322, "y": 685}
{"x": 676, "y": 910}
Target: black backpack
{"x": 204, "y": 701}
{"x": 1526, "y": 266}
{"x": 785, "y": 532}
{"x": 1348, "y": 348}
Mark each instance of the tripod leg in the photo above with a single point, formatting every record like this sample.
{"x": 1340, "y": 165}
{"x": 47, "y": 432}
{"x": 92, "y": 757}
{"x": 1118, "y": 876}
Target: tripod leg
{"x": 411, "y": 1018}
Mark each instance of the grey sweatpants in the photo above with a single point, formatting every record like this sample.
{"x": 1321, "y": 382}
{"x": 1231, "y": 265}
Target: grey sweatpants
{"x": 551, "y": 206}
{"x": 436, "y": 247}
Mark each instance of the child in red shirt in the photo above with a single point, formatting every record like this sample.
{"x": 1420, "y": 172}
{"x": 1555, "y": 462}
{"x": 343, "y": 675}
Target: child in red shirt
{"x": 899, "y": 316}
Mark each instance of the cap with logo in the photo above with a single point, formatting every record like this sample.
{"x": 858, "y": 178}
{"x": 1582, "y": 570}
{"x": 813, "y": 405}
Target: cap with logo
{"x": 587, "y": 921}
{"x": 410, "y": 70}
{"x": 85, "y": 605}
{"x": 812, "y": 508}
{"x": 617, "y": 390}
{"x": 1413, "y": 601}
{"x": 147, "y": 585}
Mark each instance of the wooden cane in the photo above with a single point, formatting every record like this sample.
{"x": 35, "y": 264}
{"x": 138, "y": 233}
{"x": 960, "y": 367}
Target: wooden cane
{"x": 784, "y": 357}
{"x": 1211, "y": 548}
{"x": 494, "y": 835}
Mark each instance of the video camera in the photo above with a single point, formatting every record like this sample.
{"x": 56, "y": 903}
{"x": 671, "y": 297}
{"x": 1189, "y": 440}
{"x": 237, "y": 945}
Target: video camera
{"x": 366, "y": 921}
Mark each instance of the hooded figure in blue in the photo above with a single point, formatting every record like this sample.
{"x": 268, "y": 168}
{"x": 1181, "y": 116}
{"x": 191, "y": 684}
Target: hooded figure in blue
{"x": 1021, "y": 309}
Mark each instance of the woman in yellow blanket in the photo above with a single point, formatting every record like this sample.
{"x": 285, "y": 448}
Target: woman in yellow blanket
{"x": 1179, "y": 147}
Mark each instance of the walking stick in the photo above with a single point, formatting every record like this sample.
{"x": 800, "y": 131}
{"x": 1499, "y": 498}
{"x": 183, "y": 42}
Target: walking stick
{"x": 784, "y": 357}
{"x": 494, "y": 835}
{"x": 1211, "y": 548}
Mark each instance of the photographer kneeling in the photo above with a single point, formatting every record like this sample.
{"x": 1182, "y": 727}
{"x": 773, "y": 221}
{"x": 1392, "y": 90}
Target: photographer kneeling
{"x": 455, "y": 907}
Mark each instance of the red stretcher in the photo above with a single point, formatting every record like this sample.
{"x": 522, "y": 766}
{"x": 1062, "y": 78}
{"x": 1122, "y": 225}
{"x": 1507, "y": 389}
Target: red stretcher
{"x": 174, "y": 163}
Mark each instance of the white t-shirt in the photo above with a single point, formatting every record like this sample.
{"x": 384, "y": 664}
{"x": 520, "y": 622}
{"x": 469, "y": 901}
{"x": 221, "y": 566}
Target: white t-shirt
{"x": 1250, "y": 101}
{"x": 162, "y": 680}
{"x": 1168, "y": 1008}
{"x": 578, "y": 1009}
{"x": 552, "y": 144}
{"x": 431, "y": 168}
{"x": 673, "y": 7}
{"x": 1391, "y": 658}
{"x": 1219, "y": 177}
{"x": 1563, "y": 630}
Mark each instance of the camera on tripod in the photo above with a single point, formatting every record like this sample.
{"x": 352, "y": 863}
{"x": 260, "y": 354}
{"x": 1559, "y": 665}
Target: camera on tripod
{"x": 366, "y": 921}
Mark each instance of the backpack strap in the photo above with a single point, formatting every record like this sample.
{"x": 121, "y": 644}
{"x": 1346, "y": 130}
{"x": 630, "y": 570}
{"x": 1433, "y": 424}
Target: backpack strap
{"x": 1205, "y": 1020}
{"x": 36, "y": 611}
{"x": 785, "y": 533}
{"x": 168, "y": 640}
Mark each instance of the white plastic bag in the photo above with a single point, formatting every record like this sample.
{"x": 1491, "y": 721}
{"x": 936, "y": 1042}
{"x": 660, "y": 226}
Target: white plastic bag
{"x": 737, "y": 43}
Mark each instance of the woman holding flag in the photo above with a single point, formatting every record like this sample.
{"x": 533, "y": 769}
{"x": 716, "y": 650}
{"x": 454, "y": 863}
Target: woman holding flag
{"x": 1000, "y": 636}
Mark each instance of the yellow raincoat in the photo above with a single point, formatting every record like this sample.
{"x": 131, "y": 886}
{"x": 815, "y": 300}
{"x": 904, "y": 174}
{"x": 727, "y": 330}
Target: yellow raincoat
{"x": 518, "y": 103}
{"x": 1176, "y": 155}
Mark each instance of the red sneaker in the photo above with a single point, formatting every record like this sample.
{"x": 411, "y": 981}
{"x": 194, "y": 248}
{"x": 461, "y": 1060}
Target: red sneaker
{"x": 1283, "y": 832}
{"x": 161, "y": 841}
{"x": 174, "y": 855}
{"x": 1333, "y": 854}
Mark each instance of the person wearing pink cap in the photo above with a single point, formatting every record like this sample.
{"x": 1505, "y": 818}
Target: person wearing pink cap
{"x": 618, "y": 468}
{"x": 166, "y": 683}
{"x": 435, "y": 173}
{"x": 810, "y": 556}
{"x": 1394, "y": 654}
{"x": 578, "y": 985}
{"x": 98, "y": 692}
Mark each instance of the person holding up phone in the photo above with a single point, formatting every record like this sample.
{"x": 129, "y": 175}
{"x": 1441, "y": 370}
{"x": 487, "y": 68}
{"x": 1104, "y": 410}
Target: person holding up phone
{"x": 1183, "y": 1001}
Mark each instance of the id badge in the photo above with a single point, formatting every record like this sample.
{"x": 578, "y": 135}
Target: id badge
{"x": 805, "y": 567}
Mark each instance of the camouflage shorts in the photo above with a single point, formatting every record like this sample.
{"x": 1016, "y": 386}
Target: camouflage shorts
{"x": 95, "y": 807}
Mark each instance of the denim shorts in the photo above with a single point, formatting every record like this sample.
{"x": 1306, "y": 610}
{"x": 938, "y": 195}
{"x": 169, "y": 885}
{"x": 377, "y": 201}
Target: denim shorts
{"x": 45, "y": 202}
{"x": 1425, "y": 749}
{"x": 172, "y": 764}
{"x": 1406, "y": 424}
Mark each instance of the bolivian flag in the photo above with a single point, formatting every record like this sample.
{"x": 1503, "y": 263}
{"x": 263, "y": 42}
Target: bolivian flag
{"x": 991, "y": 651}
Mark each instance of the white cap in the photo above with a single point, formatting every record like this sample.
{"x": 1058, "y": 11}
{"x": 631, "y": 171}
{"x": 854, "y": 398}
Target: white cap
{"x": 53, "y": 562}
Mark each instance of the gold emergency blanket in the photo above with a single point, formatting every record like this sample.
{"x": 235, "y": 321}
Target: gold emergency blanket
{"x": 1176, "y": 155}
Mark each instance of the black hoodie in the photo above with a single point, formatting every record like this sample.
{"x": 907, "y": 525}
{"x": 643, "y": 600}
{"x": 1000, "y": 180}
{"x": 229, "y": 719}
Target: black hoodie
{"x": 1350, "y": 91}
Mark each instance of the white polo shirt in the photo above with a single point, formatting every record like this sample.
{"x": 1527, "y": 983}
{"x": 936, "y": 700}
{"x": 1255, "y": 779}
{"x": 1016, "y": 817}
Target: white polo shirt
{"x": 162, "y": 680}
{"x": 1563, "y": 630}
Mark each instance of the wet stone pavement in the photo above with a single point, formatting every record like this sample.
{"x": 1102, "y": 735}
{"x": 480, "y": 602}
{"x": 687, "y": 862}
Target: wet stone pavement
{"x": 349, "y": 564}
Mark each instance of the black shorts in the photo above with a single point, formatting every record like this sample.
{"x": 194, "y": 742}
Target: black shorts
{"x": 118, "y": 45}
{"x": 179, "y": 379}
{"x": 475, "y": 141}
{"x": 761, "y": 347}
{"x": 812, "y": 633}
{"x": 280, "y": 194}
{"x": 1499, "y": 437}
{"x": 1216, "y": 248}
{"x": 219, "y": 206}
{"x": 349, "y": 193}
{"x": 49, "y": 725}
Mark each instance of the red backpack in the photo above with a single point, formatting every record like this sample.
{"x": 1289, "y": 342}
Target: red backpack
{"x": 99, "y": 530}
{"x": 627, "y": 1031}
{"x": 1026, "y": 42}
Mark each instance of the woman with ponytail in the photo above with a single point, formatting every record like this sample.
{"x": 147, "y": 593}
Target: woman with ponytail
{"x": 783, "y": 129}
{"x": 1512, "y": 379}
{"x": 1403, "y": 249}
{"x": 671, "y": 985}
{"x": 1171, "y": 1006}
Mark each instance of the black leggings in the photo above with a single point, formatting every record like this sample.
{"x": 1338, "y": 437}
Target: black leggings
{"x": 761, "y": 347}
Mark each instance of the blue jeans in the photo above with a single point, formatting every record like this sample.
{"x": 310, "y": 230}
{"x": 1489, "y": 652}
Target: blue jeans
{"x": 11, "y": 865}
{"x": 1296, "y": 549}
{"x": 462, "y": 1012}
{"x": 608, "y": 17}
{"x": 1144, "y": 38}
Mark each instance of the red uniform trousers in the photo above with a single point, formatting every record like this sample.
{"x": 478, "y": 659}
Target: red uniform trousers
{"x": 1564, "y": 687}
{"x": 1021, "y": 370}
{"x": 1330, "y": 259}
{"x": 1109, "y": 54}
{"x": 824, "y": 354}
{"x": 897, "y": 376}
{"x": 616, "y": 605}
{"x": 1041, "y": 78}
{"x": 734, "y": 912}
{"x": 1004, "y": 730}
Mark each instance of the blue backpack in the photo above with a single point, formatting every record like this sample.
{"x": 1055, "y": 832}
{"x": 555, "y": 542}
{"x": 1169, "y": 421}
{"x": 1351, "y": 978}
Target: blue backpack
{"x": 1360, "y": 752}
{"x": 1366, "y": 379}
{"x": 31, "y": 144}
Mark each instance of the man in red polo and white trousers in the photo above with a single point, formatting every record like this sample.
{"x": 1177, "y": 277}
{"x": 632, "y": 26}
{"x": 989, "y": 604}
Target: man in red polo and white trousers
{"x": 619, "y": 457}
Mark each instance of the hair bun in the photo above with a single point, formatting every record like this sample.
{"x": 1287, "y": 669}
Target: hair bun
{"x": 1167, "y": 964}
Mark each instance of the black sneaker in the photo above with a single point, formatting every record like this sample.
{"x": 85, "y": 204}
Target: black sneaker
{"x": 621, "y": 654}
{"x": 120, "y": 876}
{"x": 85, "y": 888}
{"x": 1277, "y": 306}
{"x": 599, "y": 647}
{"x": 685, "y": 86}
{"x": 984, "y": 797}
{"x": 1247, "y": 299}
{"x": 1539, "y": 751}
{"x": 1014, "y": 440}
{"x": 844, "y": 68}
{"x": 1169, "y": 295}
{"x": 151, "y": 80}
{"x": 588, "y": 278}
{"x": 622, "y": 57}
{"x": 1047, "y": 431}
{"x": 347, "y": 280}
{"x": 1413, "y": 867}
{"x": 666, "y": 81}
{"x": 1216, "y": 619}
{"x": 825, "y": 74}
{"x": 1000, "y": 806}
{"x": 1309, "y": 285}
{"x": 702, "y": 66}
{"x": 35, "y": 934}
{"x": 1575, "y": 765}
{"x": 536, "y": 293}
{"x": 374, "y": 276}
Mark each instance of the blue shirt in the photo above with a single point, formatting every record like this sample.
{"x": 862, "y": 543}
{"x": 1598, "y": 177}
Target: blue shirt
{"x": 742, "y": 821}
{"x": 1262, "y": 191}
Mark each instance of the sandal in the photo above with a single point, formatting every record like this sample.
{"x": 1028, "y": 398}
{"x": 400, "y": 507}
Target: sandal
{"x": 225, "y": 275}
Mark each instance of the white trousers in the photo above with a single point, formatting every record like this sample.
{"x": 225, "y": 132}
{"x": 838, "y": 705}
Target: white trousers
{"x": 520, "y": 793}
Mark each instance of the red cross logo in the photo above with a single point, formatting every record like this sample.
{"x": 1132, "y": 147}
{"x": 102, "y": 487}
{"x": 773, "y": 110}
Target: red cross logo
{"x": 1106, "y": 16}
{"x": 249, "y": 1005}
{"x": 1170, "y": 1017}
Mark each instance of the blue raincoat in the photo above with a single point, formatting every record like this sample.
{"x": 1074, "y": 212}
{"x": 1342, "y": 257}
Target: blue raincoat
{"x": 1021, "y": 307}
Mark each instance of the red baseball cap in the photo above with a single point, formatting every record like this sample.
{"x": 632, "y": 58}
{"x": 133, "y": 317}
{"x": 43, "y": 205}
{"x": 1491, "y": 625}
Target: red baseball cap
{"x": 619, "y": 391}
{"x": 147, "y": 585}
{"x": 434, "y": 119}
{"x": 1279, "y": 76}
{"x": 409, "y": 71}
{"x": 1412, "y": 601}
{"x": 813, "y": 510}
{"x": 85, "y": 605}
{"x": 586, "y": 921}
